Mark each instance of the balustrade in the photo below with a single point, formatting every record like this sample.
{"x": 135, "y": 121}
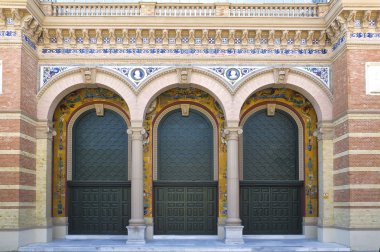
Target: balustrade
{"x": 185, "y": 10}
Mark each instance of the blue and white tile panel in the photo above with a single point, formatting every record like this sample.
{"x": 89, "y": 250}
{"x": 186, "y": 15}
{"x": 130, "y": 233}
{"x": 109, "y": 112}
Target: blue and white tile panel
{"x": 138, "y": 74}
{"x": 232, "y": 74}
{"x": 365, "y": 35}
{"x": 135, "y": 74}
{"x": 48, "y": 72}
{"x": 156, "y": 51}
{"x": 320, "y": 72}
{"x": 8, "y": 33}
{"x": 29, "y": 42}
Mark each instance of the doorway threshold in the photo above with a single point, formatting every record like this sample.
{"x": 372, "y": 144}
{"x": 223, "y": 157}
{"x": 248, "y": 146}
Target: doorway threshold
{"x": 96, "y": 237}
{"x": 185, "y": 237}
{"x": 274, "y": 237}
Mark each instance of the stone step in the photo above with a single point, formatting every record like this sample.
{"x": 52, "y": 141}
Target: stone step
{"x": 163, "y": 244}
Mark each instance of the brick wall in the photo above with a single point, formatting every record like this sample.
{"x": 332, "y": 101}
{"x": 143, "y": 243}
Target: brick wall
{"x": 18, "y": 139}
{"x": 357, "y": 142}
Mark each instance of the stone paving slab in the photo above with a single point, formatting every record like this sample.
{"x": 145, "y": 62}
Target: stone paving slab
{"x": 183, "y": 245}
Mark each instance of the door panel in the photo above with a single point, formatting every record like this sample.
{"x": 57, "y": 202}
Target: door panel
{"x": 99, "y": 209}
{"x": 186, "y": 209}
{"x": 271, "y": 209}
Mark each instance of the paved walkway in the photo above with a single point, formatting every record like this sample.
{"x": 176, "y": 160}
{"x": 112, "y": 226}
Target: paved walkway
{"x": 186, "y": 244}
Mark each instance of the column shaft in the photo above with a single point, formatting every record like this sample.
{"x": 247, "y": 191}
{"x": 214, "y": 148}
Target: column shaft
{"x": 233, "y": 228}
{"x": 136, "y": 228}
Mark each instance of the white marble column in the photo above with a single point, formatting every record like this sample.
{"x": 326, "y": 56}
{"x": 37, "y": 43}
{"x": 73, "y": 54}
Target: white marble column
{"x": 136, "y": 228}
{"x": 325, "y": 134}
{"x": 233, "y": 227}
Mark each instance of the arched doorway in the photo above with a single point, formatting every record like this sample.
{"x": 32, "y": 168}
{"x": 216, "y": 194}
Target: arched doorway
{"x": 185, "y": 193}
{"x": 99, "y": 193}
{"x": 270, "y": 195}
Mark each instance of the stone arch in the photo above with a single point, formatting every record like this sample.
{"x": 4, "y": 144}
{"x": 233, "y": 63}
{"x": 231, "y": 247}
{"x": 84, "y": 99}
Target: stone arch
{"x": 307, "y": 85}
{"x": 170, "y": 78}
{"x": 54, "y": 91}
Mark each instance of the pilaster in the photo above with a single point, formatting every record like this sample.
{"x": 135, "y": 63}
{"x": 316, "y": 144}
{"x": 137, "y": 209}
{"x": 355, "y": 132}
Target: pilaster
{"x": 325, "y": 135}
{"x": 44, "y": 137}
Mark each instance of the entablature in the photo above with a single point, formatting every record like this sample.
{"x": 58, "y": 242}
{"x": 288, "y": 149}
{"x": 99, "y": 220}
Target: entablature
{"x": 266, "y": 29}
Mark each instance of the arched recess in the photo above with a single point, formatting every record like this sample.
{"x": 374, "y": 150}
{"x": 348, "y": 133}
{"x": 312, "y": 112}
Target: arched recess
{"x": 68, "y": 109}
{"x": 71, "y": 123}
{"x": 171, "y": 78}
{"x": 296, "y": 106}
{"x": 298, "y": 120}
{"x": 211, "y": 119}
{"x": 54, "y": 91}
{"x": 313, "y": 90}
{"x": 99, "y": 192}
{"x": 195, "y": 99}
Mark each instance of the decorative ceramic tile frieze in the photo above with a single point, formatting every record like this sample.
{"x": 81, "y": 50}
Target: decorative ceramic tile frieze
{"x": 365, "y": 35}
{"x": 232, "y": 74}
{"x": 8, "y": 33}
{"x": 10, "y": 21}
{"x": 340, "y": 42}
{"x": 137, "y": 51}
{"x": 29, "y": 42}
{"x": 321, "y": 72}
{"x": 48, "y": 72}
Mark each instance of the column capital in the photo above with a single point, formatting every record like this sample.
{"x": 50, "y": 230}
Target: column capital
{"x": 138, "y": 133}
{"x": 232, "y": 133}
{"x": 324, "y": 132}
{"x": 45, "y": 130}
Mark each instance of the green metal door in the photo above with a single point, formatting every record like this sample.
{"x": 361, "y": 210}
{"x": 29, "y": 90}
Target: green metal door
{"x": 185, "y": 195}
{"x": 185, "y": 208}
{"x": 100, "y": 191}
{"x": 270, "y": 193}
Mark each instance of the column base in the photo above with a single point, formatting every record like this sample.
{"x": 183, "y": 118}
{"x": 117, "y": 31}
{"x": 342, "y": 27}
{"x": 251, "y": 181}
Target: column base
{"x": 136, "y": 234}
{"x": 233, "y": 235}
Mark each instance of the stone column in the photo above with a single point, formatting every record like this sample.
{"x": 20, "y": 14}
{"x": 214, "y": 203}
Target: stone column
{"x": 233, "y": 227}
{"x": 44, "y": 137}
{"x": 325, "y": 134}
{"x": 136, "y": 228}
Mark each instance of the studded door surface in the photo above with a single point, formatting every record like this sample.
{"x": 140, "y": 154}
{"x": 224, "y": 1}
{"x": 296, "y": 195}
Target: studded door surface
{"x": 185, "y": 198}
{"x": 100, "y": 191}
{"x": 185, "y": 208}
{"x": 270, "y": 193}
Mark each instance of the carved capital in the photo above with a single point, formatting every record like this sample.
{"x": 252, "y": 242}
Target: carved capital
{"x": 324, "y": 132}
{"x": 184, "y": 75}
{"x": 280, "y": 75}
{"x": 89, "y": 75}
{"x": 137, "y": 133}
{"x": 45, "y": 130}
{"x": 231, "y": 134}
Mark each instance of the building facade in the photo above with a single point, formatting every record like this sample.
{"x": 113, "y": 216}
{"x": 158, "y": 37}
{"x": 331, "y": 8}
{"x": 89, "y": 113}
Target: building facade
{"x": 219, "y": 118}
